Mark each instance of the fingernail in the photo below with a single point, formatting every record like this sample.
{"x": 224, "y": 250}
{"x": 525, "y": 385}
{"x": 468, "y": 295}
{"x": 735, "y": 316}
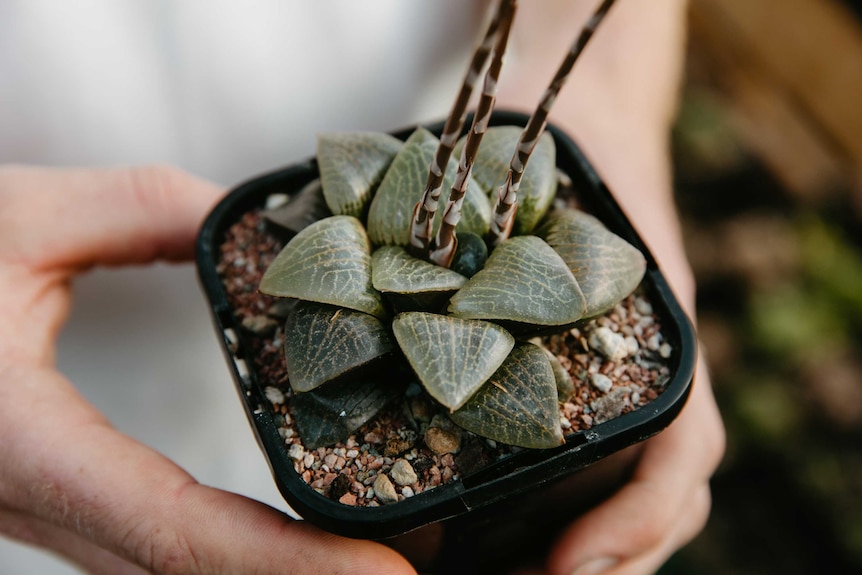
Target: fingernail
{"x": 595, "y": 566}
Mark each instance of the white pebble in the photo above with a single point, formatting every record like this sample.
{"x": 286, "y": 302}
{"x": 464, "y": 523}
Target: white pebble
{"x": 643, "y": 306}
{"x": 402, "y": 473}
{"x": 274, "y": 395}
{"x": 352, "y": 454}
{"x": 296, "y": 452}
{"x": 632, "y": 345}
{"x": 276, "y": 201}
{"x": 665, "y": 350}
{"x": 608, "y": 343}
{"x": 601, "y": 382}
{"x": 407, "y": 491}
{"x": 653, "y": 342}
{"x": 308, "y": 460}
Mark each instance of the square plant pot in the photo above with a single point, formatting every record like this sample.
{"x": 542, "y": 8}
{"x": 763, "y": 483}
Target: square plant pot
{"x": 512, "y": 507}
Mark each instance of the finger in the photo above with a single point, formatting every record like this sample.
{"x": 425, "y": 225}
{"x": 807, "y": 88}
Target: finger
{"x": 637, "y": 519}
{"x": 84, "y": 217}
{"x": 690, "y": 525}
{"x": 83, "y": 476}
{"x": 89, "y": 557}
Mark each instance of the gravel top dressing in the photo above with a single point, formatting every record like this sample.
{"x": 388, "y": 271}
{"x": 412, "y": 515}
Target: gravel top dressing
{"x": 617, "y": 363}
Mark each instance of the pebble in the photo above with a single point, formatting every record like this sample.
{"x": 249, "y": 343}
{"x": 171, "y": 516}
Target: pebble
{"x": 442, "y": 436}
{"x": 601, "y": 382}
{"x": 611, "y": 405}
{"x": 384, "y": 489}
{"x": 642, "y": 306}
{"x": 348, "y": 499}
{"x": 402, "y": 473}
{"x": 274, "y": 395}
{"x": 665, "y": 350}
{"x": 276, "y": 201}
{"x": 260, "y": 325}
{"x": 296, "y": 452}
{"x": 608, "y": 343}
{"x": 281, "y": 308}
{"x": 406, "y": 491}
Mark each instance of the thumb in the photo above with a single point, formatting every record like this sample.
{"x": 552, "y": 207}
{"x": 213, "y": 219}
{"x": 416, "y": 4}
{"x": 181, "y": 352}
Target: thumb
{"x": 84, "y": 476}
{"x": 84, "y": 217}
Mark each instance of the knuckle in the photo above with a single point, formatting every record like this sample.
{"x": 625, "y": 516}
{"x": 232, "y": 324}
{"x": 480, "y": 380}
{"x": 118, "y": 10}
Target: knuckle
{"x": 163, "y": 551}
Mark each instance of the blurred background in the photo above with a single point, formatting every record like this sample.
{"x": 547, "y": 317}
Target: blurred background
{"x": 768, "y": 156}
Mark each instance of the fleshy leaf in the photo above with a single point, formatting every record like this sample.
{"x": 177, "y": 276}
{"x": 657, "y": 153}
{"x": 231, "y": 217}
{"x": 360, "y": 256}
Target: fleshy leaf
{"x": 539, "y": 184}
{"x": 518, "y": 404}
{"x": 402, "y": 186}
{"x": 327, "y": 262}
{"x": 332, "y": 412}
{"x": 607, "y": 267}
{"x": 324, "y": 342}
{"x": 452, "y": 357}
{"x": 409, "y": 283}
{"x": 351, "y": 166}
{"x": 565, "y": 383}
{"x": 301, "y": 210}
{"x": 394, "y": 270}
{"x": 524, "y": 280}
{"x": 470, "y": 255}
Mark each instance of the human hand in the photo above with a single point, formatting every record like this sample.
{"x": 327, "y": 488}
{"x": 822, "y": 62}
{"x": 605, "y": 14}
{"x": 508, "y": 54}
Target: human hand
{"x": 618, "y": 104}
{"x": 71, "y": 483}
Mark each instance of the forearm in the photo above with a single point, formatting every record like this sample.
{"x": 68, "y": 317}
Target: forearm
{"x": 618, "y": 104}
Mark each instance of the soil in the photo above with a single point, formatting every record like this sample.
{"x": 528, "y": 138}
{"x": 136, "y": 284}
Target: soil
{"x": 617, "y": 362}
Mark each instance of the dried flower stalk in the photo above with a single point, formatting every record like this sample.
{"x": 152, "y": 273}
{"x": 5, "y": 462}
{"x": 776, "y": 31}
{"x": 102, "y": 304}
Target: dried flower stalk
{"x": 446, "y": 242}
{"x": 426, "y": 207}
{"x": 505, "y": 204}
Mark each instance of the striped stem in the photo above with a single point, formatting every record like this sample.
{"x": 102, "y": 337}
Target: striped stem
{"x": 446, "y": 242}
{"x": 426, "y": 207}
{"x": 505, "y": 204}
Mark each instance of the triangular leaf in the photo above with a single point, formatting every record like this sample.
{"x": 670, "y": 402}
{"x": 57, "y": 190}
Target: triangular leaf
{"x": 524, "y": 280}
{"x": 539, "y": 184}
{"x": 332, "y": 412}
{"x": 518, "y": 405}
{"x": 402, "y": 186}
{"x": 607, "y": 267}
{"x": 351, "y": 166}
{"x": 394, "y": 270}
{"x": 327, "y": 262}
{"x": 301, "y": 210}
{"x": 411, "y": 284}
{"x": 452, "y": 357}
{"x": 324, "y": 342}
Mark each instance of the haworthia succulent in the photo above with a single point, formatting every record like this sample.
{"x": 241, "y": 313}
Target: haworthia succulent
{"x": 607, "y": 267}
{"x": 351, "y": 166}
{"x": 323, "y": 342}
{"x": 327, "y": 262}
{"x": 452, "y": 357}
{"x": 538, "y": 185}
{"x": 524, "y": 280}
{"x": 389, "y": 215}
{"x": 518, "y": 404}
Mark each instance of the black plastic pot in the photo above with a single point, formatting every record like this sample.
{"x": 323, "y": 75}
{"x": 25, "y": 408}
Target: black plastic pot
{"x": 513, "y": 507}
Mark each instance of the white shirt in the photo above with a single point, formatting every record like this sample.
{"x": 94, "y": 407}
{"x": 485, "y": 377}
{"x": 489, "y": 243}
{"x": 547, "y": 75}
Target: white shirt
{"x": 225, "y": 90}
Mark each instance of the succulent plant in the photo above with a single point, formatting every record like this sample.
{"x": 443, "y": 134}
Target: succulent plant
{"x": 390, "y": 290}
